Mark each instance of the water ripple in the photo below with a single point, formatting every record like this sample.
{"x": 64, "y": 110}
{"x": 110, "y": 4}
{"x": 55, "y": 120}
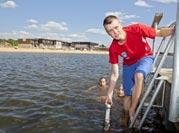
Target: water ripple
{"x": 47, "y": 93}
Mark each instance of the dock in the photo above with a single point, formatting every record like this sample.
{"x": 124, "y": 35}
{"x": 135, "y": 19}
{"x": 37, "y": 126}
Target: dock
{"x": 168, "y": 73}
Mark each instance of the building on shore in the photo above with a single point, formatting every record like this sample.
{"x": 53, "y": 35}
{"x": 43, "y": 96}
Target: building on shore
{"x": 84, "y": 45}
{"x": 40, "y": 43}
{"x": 56, "y": 44}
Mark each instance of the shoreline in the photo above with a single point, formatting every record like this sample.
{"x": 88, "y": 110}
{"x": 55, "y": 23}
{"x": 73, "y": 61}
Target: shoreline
{"x": 38, "y": 50}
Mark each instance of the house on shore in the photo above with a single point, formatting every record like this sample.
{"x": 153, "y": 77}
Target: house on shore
{"x": 25, "y": 43}
{"x": 56, "y": 44}
{"x": 40, "y": 43}
{"x": 84, "y": 45}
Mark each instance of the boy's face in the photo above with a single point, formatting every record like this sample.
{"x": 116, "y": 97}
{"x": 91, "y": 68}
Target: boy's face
{"x": 115, "y": 30}
{"x": 103, "y": 82}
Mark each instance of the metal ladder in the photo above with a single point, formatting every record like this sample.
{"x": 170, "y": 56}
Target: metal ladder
{"x": 152, "y": 79}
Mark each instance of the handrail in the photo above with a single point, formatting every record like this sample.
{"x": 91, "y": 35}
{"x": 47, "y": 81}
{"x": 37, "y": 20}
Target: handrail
{"x": 149, "y": 88}
{"x": 157, "y": 18}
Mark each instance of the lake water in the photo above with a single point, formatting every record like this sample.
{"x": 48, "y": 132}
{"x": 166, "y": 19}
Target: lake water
{"x": 45, "y": 92}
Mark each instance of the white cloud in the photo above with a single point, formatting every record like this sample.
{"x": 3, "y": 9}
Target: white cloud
{"x": 78, "y": 37}
{"x": 32, "y": 24}
{"x": 51, "y": 29}
{"x": 48, "y": 35}
{"x": 166, "y": 1}
{"x": 142, "y": 3}
{"x": 25, "y": 34}
{"x": 122, "y": 16}
{"x": 16, "y": 35}
{"x": 68, "y": 38}
{"x": 54, "y": 26}
{"x": 65, "y": 39}
{"x": 32, "y": 21}
{"x": 96, "y": 31}
{"x": 22, "y": 33}
{"x": 8, "y": 4}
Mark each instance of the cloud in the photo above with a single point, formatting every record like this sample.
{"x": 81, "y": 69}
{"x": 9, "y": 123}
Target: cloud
{"x": 78, "y": 37}
{"x": 48, "y": 35}
{"x": 8, "y": 4}
{"x": 32, "y": 24}
{"x": 142, "y": 3}
{"x": 96, "y": 31}
{"x": 122, "y": 16}
{"x": 25, "y": 34}
{"x": 32, "y": 21}
{"x": 50, "y": 26}
{"x": 54, "y": 26}
{"x": 166, "y": 1}
{"x": 16, "y": 35}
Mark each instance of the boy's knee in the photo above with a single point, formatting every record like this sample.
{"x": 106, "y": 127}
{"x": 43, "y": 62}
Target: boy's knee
{"x": 139, "y": 76}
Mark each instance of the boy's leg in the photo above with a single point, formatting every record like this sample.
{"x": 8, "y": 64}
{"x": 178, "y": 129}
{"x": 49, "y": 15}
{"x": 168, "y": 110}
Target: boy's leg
{"x": 143, "y": 68}
{"x": 128, "y": 83}
{"x": 126, "y": 104}
{"x": 139, "y": 78}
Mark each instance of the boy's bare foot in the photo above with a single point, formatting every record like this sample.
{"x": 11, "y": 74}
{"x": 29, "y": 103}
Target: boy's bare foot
{"x": 125, "y": 119}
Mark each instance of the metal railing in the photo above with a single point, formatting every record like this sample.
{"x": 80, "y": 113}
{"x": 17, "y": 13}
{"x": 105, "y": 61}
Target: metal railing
{"x": 151, "y": 83}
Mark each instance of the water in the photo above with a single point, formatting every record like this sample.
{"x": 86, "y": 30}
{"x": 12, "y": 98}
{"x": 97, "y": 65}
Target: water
{"x": 41, "y": 92}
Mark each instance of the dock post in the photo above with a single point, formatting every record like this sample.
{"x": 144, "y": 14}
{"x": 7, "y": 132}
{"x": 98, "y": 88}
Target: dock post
{"x": 174, "y": 96}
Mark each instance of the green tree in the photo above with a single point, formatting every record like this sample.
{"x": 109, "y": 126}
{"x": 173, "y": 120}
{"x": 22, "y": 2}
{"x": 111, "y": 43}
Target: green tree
{"x": 13, "y": 43}
{"x": 102, "y": 46}
{"x": 2, "y": 41}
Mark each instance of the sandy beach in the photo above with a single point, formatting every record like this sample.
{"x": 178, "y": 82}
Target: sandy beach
{"x": 37, "y": 50}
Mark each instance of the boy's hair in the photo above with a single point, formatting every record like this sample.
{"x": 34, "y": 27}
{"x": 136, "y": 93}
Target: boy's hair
{"x": 109, "y": 19}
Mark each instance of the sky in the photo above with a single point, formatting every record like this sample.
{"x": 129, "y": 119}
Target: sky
{"x": 77, "y": 20}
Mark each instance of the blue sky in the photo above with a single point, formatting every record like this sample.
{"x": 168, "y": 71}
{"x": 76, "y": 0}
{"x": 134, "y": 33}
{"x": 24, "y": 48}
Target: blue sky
{"x": 76, "y": 20}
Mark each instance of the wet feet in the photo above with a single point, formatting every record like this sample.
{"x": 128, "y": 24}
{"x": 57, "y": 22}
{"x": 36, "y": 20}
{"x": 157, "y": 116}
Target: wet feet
{"x": 125, "y": 120}
{"x": 136, "y": 124}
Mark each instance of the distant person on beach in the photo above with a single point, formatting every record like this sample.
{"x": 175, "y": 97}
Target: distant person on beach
{"x": 130, "y": 43}
{"x": 102, "y": 90}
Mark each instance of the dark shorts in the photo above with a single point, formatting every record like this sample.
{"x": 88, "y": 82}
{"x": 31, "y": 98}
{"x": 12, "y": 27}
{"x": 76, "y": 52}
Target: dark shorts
{"x": 143, "y": 66}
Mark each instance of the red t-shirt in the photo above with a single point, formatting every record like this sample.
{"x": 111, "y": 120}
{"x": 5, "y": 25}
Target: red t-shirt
{"x": 135, "y": 47}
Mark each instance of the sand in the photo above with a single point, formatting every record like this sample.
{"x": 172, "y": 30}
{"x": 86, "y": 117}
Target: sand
{"x": 38, "y": 50}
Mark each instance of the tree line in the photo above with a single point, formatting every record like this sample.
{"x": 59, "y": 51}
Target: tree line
{"x": 9, "y": 42}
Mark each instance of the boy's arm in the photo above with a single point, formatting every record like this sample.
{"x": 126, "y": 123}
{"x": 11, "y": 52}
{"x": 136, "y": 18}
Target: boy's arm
{"x": 164, "y": 32}
{"x": 113, "y": 79}
{"x": 93, "y": 87}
